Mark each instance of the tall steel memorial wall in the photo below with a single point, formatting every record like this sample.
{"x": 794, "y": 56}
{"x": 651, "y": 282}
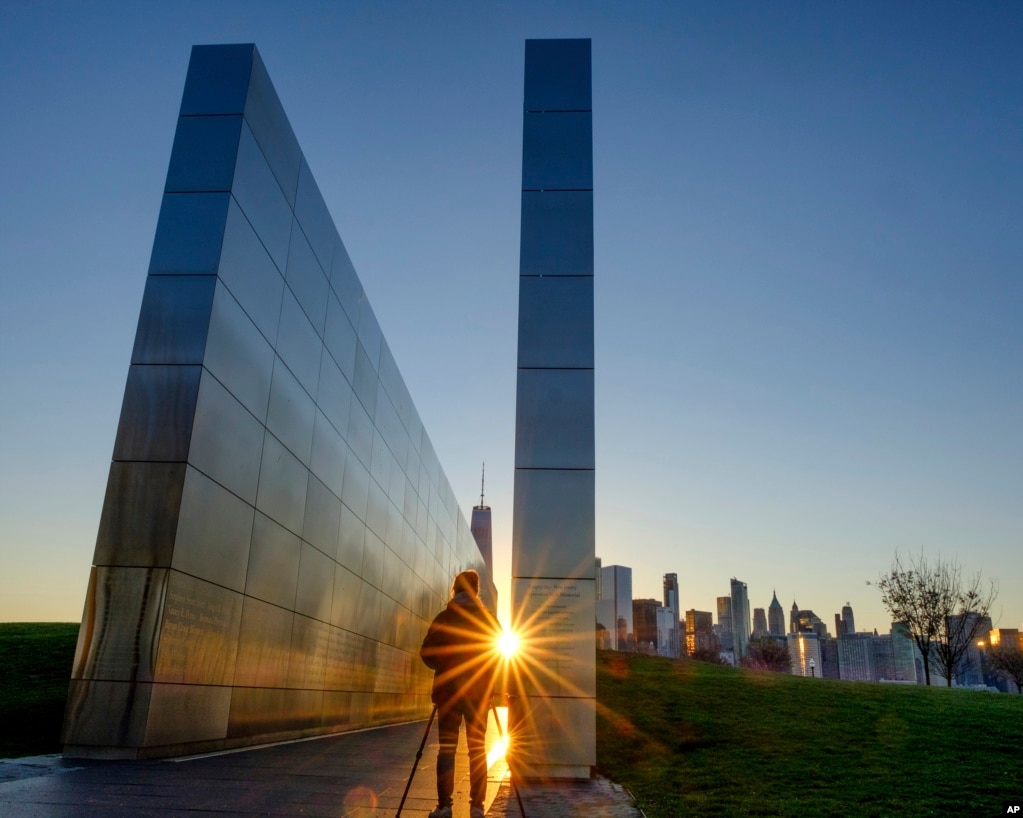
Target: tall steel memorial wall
{"x": 277, "y": 531}
{"x": 553, "y": 584}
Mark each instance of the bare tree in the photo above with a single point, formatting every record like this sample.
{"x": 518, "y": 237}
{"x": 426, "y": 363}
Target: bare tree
{"x": 1007, "y": 661}
{"x": 942, "y": 610}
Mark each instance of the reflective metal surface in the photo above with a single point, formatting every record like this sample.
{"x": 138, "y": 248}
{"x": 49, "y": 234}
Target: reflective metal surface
{"x": 277, "y": 531}
{"x": 553, "y": 604}
{"x": 557, "y": 233}
{"x": 556, "y": 322}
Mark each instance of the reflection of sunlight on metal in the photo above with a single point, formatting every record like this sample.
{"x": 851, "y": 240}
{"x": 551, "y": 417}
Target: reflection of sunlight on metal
{"x": 541, "y": 644}
{"x": 498, "y": 751}
{"x": 500, "y": 747}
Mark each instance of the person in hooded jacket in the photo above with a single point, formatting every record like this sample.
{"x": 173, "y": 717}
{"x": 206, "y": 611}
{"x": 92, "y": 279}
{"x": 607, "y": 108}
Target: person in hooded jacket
{"x": 460, "y": 647}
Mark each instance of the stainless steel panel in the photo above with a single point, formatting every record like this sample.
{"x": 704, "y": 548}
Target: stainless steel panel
{"x": 264, "y": 645}
{"x": 183, "y": 713}
{"x": 344, "y": 665}
{"x": 189, "y": 234}
{"x": 556, "y": 322}
{"x": 298, "y": 344}
{"x": 121, "y": 624}
{"x": 554, "y": 419}
{"x": 204, "y": 153}
{"x": 557, "y": 76}
{"x": 227, "y": 441}
{"x": 306, "y": 279}
{"x": 214, "y": 530}
{"x": 256, "y": 712}
{"x": 355, "y": 492}
{"x": 322, "y": 517}
{"x": 303, "y": 709}
{"x": 365, "y": 382}
{"x": 140, "y": 514}
{"x": 351, "y": 542}
{"x": 382, "y": 461}
{"x": 334, "y": 394}
{"x": 337, "y": 710}
{"x": 238, "y": 355}
{"x": 394, "y": 385}
{"x": 157, "y": 413}
{"x": 344, "y": 609}
{"x": 553, "y": 528}
{"x": 554, "y": 733}
{"x": 360, "y": 433}
{"x": 329, "y": 452}
{"x": 554, "y": 621}
{"x": 291, "y": 413}
{"x": 199, "y": 635}
{"x": 376, "y": 512}
{"x": 250, "y": 274}
{"x": 371, "y": 617}
{"x": 217, "y": 80}
{"x": 557, "y": 151}
{"x": 345, "y": 282}
{"x": 265, "y": 115}
{"x": 315, "y": 593}
{"x": 311, "y": 212}
{"x": 309, "y": 642}
{"x": 282, "y": 485}
{"x": 557, "y": 233}
{"x": 274, "y": 557}
{"x": 370, "y": 335}
{"x": 339, "y": 337}
{"x": 391, "y": 429}
{"x": 261, "y": 199}
{"x": 373, "y": 560}
{"x": 105, "y": 714}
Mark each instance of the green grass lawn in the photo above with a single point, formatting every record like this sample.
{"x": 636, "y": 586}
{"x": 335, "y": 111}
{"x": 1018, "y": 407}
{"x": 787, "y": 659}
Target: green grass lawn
{"x": 35, "y": 668}
{"x": 691, "y": 738}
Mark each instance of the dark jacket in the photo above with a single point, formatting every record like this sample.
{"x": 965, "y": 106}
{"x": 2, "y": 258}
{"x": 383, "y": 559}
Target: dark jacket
{"x": 461, "y": 647}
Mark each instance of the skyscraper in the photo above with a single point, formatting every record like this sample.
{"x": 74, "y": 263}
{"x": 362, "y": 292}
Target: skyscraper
{"x": 644, "y": 624}
{"x": 759, "y": 622}
{"x": 740, "y": 617}
{"x": 671, "y": 602}
{"x": 725, "y": 622}
{"x": 614, "y": 611}
{"x": 847, "y": 618}
{"x": 775, "y": 616}
{"x": 482, "y": 531}
{"x": 699, "y": 631}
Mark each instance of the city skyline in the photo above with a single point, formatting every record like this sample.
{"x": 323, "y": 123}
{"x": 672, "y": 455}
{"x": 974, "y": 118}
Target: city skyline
{"x": 806, "y": 287}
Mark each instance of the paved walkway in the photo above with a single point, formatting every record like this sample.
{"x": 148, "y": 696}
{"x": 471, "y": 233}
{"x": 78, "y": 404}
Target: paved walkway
{"x": 352, "y": 775}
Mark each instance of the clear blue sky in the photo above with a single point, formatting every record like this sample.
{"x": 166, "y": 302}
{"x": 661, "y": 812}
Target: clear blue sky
{"x": 809, "y": 240}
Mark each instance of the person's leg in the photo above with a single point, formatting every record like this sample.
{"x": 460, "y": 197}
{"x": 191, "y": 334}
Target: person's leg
{"x": 448, "y": 721}
{"x": 476, "y": 734}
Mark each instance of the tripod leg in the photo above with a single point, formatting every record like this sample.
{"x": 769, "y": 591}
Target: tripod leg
{"x": 511, "y": 773}
{"x": 419, "y": 755}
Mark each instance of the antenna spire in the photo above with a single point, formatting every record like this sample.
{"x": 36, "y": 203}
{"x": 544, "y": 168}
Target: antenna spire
{"x": 483, "y": 478}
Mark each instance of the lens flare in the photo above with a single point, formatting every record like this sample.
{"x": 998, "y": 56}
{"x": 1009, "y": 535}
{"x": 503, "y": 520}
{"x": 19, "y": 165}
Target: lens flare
{"x": 508, "y": 644}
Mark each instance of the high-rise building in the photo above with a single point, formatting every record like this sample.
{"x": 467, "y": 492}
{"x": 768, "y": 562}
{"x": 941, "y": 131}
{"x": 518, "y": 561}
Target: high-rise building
{"x": 794, "y": 618}
{"x": 856, "y": 657}
{"x": 759, "y": 622}
{"x": 847, "y": 619}
{"x": 725, "y": 623}
{"x": 614, "y": 611}
{"x": 805, "y": 655}
{"x": 644, "y": 624}
{"x": 839, "y": 625}
{"x": 482, "y": 531}
{"x": 671, "y": 601}
{"x": 667, "y": 632}
{"x": 699, "y": 631}
{"x": 775, "y": 616}
{"x": 740, "y": 617}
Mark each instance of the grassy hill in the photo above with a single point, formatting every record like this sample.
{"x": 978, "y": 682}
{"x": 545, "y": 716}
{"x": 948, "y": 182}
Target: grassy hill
{"x": 690, "y": 738}
{"x": 35, "y": 668}
{"x": 693, "y": 739}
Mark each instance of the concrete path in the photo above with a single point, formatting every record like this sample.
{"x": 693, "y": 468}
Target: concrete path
{"x": 352, "y": 775}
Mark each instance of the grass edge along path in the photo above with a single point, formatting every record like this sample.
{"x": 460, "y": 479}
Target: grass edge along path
{"x": 691, "y": 738}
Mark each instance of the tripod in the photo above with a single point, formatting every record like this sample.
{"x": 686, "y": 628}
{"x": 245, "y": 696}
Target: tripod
{"x": 419, "y": 755}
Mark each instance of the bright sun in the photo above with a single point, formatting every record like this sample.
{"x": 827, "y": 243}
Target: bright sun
{"x": 508, "y": 643}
